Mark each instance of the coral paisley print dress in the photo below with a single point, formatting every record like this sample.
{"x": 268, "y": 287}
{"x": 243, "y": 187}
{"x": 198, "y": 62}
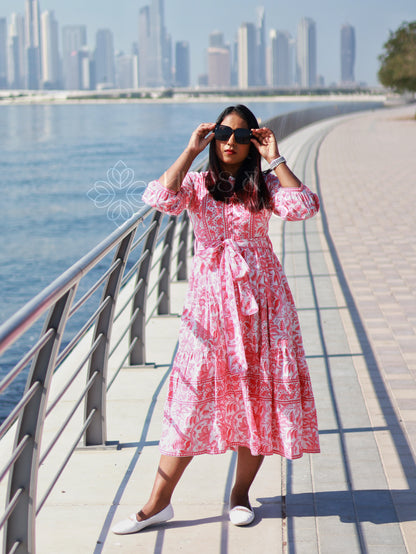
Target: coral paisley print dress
{"x": 239, "y": 377}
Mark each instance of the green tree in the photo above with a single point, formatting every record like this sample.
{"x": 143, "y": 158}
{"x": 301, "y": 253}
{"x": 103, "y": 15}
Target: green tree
{"x": 398, "y": 61}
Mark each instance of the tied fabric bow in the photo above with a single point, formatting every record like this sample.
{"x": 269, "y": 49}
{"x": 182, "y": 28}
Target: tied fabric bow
{"x": 225, "y": 257}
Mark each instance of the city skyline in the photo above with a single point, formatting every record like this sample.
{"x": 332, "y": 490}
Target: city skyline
{"x": 377, "y": 24}
{"x": 248, "y": 62}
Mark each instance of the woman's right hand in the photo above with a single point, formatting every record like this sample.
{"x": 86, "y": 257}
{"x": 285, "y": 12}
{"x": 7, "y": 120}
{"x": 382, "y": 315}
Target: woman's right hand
{"x": 200, "y": 138}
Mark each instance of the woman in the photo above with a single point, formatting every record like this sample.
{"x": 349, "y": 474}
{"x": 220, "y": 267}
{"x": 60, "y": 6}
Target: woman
{"x": 239, "y": 380}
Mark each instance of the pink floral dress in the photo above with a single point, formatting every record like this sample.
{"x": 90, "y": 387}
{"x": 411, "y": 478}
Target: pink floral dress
{"x": 240, "y": 376}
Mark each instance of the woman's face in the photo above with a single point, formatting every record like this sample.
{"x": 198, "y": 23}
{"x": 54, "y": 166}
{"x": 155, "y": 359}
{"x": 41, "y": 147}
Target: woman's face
{"x": 230, "y": 153}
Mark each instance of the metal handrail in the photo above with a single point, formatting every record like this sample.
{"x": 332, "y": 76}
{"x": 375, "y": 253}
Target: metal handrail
{"x": 32, "y": 311}
{"x": 58, "y": 303}
{"x": 10, "y": 377}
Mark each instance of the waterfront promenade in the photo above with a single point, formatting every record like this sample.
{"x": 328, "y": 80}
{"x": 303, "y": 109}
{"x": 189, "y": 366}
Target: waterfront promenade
{"x": 352, "y": 270}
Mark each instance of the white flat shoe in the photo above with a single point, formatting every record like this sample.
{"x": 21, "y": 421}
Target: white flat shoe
{"x": 240, "y": 515}
{"x": 131, "y": 525}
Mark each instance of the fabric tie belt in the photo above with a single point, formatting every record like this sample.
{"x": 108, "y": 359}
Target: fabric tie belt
{"x": 225, "y": 258}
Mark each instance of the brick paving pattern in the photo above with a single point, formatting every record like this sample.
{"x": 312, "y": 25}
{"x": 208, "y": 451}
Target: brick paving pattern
{"x": 370, "y": 200}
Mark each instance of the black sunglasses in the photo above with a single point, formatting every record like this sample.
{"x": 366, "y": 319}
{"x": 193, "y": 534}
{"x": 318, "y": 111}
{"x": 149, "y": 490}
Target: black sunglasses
{"x": 223, "y": 133}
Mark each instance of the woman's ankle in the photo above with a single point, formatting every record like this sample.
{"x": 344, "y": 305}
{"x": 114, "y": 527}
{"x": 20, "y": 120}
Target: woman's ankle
{"x": 151, "y": 509}
{"x": 239, "y": 498}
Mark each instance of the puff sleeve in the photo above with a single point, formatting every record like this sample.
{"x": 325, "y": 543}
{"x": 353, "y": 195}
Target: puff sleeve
{"x": 168, "y": 201}
{"x": 292, "y": 204}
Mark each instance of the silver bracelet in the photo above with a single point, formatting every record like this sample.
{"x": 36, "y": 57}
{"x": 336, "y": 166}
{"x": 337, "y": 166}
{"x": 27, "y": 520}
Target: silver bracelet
{"x": 274, "y": 163}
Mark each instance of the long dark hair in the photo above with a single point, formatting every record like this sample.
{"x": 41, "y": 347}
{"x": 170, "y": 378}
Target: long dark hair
{"x": 249, "y": 186}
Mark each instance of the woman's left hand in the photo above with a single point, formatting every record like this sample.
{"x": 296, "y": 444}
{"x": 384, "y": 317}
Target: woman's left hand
{"x": 265, "y": 142}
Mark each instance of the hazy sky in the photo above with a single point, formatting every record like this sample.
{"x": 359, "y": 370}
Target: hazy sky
{"x": 193, "y": 20}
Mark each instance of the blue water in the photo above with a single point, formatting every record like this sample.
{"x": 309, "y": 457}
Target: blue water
{"x": 52, "y": 158}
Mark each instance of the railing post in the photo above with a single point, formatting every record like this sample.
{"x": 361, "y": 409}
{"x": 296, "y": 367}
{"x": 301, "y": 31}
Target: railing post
{"x": 20, "y": 527}
{"x": 182, "y": 273}
{"x": 96, "y": 399}
{"x": 138, "y": 327}
{"x": 164, "y": 270}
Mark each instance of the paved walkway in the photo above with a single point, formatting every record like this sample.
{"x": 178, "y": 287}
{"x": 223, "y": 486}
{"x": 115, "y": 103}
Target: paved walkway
{"x": 367, "y": 173}
{"x": 352, "y": 272}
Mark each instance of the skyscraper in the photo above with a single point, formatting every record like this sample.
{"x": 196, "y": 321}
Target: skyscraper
{"x": 3, "y": 52}
{"x": 167, "y": 64}
{"x": 216, "y": 39}
{"x": 182, "y": 64}
{"x": 273, "y": 60}
{"x": 219, "y": 67}
{"x": 261, "y": 47}
{"x": 135, "y": 54}
{"x": 74, "y": 42}
{"x": 157, "y": 47}
{"x": 87, "y": 64}
{"x": 155, "y": 58}
{"x": 13, "y": 61}
{"x": 124, "y": 64}
{"x": 247, "y": 55}
{"x": 50, "y": 51}
{"x": 16, "y": 52}
{"x": 219, "y": 61}
{"x": 104, "y": 59}
{"x": 347, "y": 54}
{"x": 234, "y": 61}
{"x": 158, "y": 69}
{"x": 33, "y": 45}
{"x": 144, "y": 45}
{"x": 280, "y": 59}
{"x": 306, "y": 53}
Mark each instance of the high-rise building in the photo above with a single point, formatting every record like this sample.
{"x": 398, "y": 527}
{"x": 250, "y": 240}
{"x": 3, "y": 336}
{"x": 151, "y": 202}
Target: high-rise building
{"x": 219, "y": 60}
{"x": 155, "y": 58}
{"x": 155, "y": 67}
{"x": 104, "y": 59}
{"x": 74, "y": 43}
{"x": 33, "y": 45}
{"x": 272, "y": 60}
{"x": 247, "y": 55}
{"x": 219, "y": 67}
{"x": 74, "y": 71}
{"x": 144, "y": 44}
{"x": 3, "y": 53}
{"x": 13, "y": 61}
{"x": 87, "y": 64}
{"x": 216, "y": 40}
{"x": 135, "y": 56}
{"x": 182, "y": 64}
{"x": 280, "y": 59}
{"x": 234, "y": 62}
{"x": 306, "y": 53}
{"x": 125, "y": 71}
{"x": 51, "y": 64}
{"x": 347, "y": 54}
{"x": 292, "y": 59}
{"x": 261, "y": 47}
{"x": 16, "y": 52}
{"x": 168, "y": 60}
